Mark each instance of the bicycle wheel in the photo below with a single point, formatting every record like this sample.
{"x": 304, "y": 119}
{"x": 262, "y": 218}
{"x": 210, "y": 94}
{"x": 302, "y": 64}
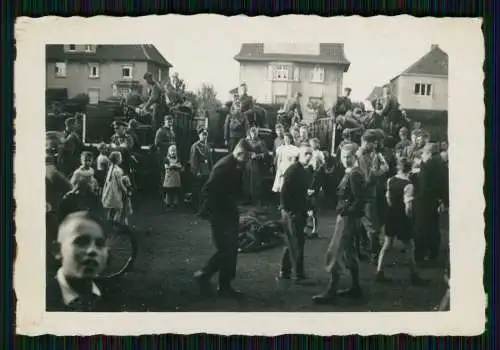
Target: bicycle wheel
{"x": 122, "y": 246}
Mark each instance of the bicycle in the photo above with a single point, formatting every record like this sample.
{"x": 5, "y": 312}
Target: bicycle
{"x": 123, "y": 248}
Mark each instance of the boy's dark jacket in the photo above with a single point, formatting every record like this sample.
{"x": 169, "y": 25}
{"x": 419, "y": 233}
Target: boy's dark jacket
{"x": 54, "y": 301}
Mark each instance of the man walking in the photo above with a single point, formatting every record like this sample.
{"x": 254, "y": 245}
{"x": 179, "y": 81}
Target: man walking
{"x": 219, "y": 207}
{"x": 294, "y": 205}
{"x": 341, "y": 253}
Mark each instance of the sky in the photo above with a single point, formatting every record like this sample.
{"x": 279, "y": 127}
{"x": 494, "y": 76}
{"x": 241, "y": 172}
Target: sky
{"x": 379, "y": 48}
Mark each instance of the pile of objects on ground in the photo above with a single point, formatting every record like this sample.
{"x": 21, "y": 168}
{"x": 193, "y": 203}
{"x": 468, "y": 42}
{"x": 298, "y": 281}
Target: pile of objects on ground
{"x": 259, "y": 230}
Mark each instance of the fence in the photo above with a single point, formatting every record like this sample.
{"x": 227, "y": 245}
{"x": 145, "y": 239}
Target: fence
{"x": 324, "y": 130}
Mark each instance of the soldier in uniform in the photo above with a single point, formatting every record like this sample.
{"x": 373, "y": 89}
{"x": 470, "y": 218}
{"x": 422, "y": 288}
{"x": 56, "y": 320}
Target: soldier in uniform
{"x": 293, "y": 109}
{"x": 201, "y": 163}
{"x": 69, "y": 158}
{"x": 220, "y": 207}
{"x": 341, "y": 253}
{"x": 156, "y": 101}
{"x": 124, "y": 143}
{"x": 246, "y": 103}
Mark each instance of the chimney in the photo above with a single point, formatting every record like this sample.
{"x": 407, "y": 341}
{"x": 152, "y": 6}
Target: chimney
{"x": 434, "y": 46}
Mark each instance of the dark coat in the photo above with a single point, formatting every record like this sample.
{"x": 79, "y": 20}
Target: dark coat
{"x": 54, "y": 301}
{"x": 293, "y": 193}
{"x": 350, "y": 193}
{"x": 221, "y": 191}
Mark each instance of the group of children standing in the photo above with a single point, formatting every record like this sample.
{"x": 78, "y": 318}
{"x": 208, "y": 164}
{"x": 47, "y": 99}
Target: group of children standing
{"x": 108, "y": 187}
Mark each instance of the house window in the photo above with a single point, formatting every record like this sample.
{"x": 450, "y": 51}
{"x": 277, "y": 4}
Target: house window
{"x": 422, "y": 89}
{"x": 279, "y": 99}
{"x": 94, "y": 70}
{"x": 159, "y": 75}
{"x": 282, "y": 72}
{"x": 89, "y": 48}
{"x": 72, "y": 47}
{"x": 318, "y": 75}
{"x": 429, "y": 91}
{"x": 60, "y": 69}
{"x": 127, "y": 72}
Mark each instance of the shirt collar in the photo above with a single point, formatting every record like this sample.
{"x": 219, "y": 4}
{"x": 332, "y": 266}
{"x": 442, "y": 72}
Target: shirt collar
{"x": 69, "y": 294}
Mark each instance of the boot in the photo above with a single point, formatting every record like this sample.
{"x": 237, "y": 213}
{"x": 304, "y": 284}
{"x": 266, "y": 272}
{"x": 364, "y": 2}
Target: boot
{"x": 329, "y": 296}
{"x": 203, "y": 282}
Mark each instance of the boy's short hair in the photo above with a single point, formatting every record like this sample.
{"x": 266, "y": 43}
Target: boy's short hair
{"x": 404, "y": 164}
{"x": 86, "y": 155}
{"x": 102, "y": 147}
{"x": 70, "y": 220}
{"x": 350, "y": 148}
{"x": 115, "y": 156}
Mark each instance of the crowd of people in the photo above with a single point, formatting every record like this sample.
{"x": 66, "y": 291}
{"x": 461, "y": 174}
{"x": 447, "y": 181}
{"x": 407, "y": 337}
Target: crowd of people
{"x": 382, "y": 186}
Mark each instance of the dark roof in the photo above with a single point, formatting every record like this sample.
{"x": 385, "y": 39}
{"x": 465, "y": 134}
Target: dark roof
{"x": 145, "y": 52}
{"x": 376, "y": 93}
{"x": 330, "y": 53}
{"x": 435, "y": 62}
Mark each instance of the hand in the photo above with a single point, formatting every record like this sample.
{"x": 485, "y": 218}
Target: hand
{"x": 441, "y": 208}
{"x": 309, "y": 213}
{"x": 225, "y": 142}
{"x": 310, "y": 192}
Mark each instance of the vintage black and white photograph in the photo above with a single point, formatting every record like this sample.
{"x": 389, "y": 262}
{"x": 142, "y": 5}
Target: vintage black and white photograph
{"x": 233, "y": 172}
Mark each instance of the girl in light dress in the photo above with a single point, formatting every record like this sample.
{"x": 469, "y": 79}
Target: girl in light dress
{"x": 114, "y": 190}
{"x": 172, "y": 180}
{"x": 286, "y": 155}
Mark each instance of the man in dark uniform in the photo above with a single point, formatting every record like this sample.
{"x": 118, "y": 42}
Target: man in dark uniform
{"x": 294, "y": 207}
{"x": 293, "y": 109}
{"x": 343, "y": 104}
{"x": 69, "y": 158}
{"x": 201, "y": 163}
{"x": 431, "y": 189}
{"x": 156, "y": 101}
{"x": 390, "y": 112}
{"x": 246, "y": 103}
{"x": 341, "y": 253}
{"x": 219, "y": 206}
{"x": 123, "y": 142}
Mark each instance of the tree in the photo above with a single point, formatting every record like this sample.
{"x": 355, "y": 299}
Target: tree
{"x": 207, "y": 97}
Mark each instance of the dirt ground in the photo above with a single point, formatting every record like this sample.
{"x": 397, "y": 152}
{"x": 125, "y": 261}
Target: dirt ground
{"x": 173, "y": 245}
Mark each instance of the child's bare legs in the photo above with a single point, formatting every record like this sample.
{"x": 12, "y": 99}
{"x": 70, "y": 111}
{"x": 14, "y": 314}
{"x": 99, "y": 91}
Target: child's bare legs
{"x": 410, "y": 255}
{"x": 388, "y": 242}
{"x": 175, "y": 196}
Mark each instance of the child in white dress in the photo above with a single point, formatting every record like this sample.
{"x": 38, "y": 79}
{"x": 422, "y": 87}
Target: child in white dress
{"x": 286, "y": 155}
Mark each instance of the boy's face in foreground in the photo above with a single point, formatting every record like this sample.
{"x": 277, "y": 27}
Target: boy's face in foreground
{"x": 83, "y": 250}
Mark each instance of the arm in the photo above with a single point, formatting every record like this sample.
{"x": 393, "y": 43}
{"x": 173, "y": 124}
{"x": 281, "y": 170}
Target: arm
{"x": 158, "y": 137}
{"x": 287, "y": 189}
{"x": 192, "y": 160}
{"x": 387, "y": 194}
{"x": 226, "y": 127}
{"x": 61, "y": 182}
{"x": 357, "y": 187}
{"x": 408, "y": 199}
{"x": 119, "y": 177}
